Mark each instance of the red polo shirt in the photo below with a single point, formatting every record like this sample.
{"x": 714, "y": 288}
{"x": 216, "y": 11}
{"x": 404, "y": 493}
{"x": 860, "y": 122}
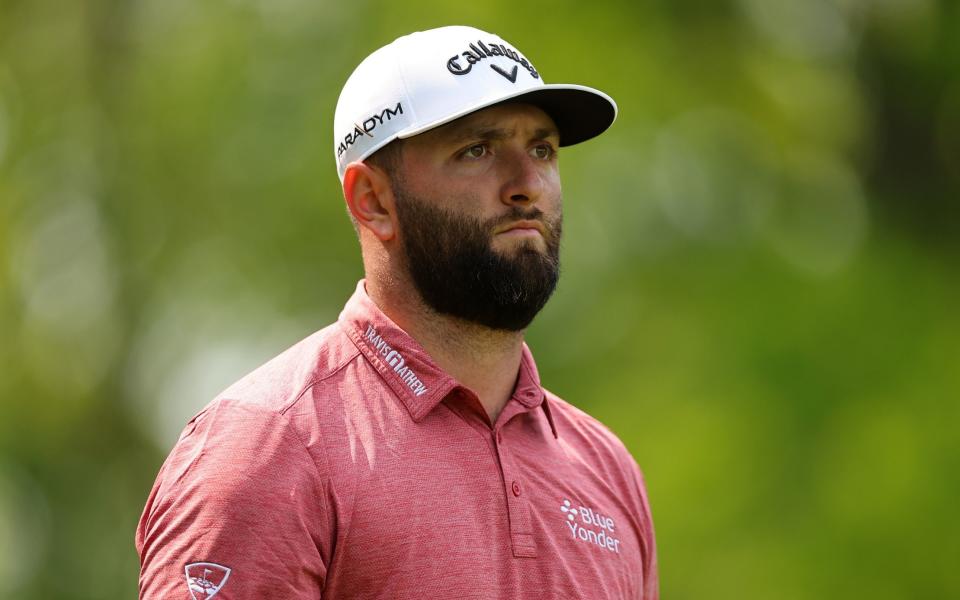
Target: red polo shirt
{"x": 351, "y": 467}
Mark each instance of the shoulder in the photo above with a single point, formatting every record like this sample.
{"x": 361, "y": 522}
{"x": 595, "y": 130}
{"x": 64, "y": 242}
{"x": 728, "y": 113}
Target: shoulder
{"x": 279, "y": 383}
{"x": 600, "y": 453}
{"x": 249, "y": 474}
{"x": 253, "y": 425}
{"x": 577, "y": 423}
{"x": 592, "y": 441}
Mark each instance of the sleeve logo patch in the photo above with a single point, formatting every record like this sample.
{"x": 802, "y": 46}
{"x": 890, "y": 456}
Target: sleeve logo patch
{"x": 205, "y": 579}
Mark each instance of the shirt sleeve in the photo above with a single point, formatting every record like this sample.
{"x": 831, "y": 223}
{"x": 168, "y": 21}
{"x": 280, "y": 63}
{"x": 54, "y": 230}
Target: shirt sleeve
{"x": 238, "y": 509}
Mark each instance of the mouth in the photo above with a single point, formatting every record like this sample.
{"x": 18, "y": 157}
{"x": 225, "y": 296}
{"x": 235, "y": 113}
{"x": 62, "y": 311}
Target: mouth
{"x": 523, "y": 229}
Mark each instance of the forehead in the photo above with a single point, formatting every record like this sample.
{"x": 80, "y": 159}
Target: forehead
{"x": 507, "y": 119}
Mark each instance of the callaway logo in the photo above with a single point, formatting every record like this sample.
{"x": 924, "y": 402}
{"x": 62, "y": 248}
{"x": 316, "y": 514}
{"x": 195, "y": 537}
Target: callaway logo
{"x": 588, "y": 525}
{"x": 205, "y": 579}
{"x": 480, "y": 51}
{"x": 365, "y": 128}
{"x": 395, "y": 360}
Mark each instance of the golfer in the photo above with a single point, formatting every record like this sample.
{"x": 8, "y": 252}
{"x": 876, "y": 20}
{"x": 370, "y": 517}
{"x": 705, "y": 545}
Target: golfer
{"x": 409, "y": 450}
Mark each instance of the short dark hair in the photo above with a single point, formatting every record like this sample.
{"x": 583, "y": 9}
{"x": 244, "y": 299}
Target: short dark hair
{"x": 388, "y": 159}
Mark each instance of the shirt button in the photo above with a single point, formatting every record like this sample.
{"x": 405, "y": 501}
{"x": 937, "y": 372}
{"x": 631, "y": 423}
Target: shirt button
{"x": 516, "y": 488}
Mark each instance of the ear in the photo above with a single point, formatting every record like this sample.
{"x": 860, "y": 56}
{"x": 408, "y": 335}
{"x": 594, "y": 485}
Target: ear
{"x": 370, "y": 200}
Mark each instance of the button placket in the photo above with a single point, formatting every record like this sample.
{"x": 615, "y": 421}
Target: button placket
{"x": 521, "y": 530}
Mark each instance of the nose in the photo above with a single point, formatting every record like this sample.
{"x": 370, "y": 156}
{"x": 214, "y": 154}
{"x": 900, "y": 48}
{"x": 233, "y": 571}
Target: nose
{"x": 524, "y": 180}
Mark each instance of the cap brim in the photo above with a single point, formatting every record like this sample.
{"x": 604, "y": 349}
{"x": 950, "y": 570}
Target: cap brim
{"x": 579, "y": 112}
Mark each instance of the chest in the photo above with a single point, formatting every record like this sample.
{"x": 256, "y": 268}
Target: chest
{"x": 454, "y": 510}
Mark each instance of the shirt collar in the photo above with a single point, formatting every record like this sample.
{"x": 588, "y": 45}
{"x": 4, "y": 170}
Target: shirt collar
{"x": 529, "y": 392}
{"x": 408, "y": 369}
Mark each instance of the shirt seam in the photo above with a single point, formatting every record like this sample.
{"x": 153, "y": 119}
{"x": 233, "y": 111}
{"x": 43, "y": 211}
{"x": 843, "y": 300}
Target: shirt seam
{"x": 323, "y": 445}
{"x": 292, "y": 430}
{"x": 329, "y": 480}
{"x": 314, "y": 382}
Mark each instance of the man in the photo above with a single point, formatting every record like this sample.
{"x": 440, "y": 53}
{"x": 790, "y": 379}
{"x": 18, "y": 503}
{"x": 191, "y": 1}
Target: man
{"x": 408, "y": 450}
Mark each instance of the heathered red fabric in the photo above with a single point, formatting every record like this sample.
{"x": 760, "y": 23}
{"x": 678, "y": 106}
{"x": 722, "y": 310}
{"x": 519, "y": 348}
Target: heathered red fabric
{"x": 351, "y": 466}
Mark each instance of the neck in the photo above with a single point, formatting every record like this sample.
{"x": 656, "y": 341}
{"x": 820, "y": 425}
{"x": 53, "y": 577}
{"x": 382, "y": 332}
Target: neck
{"x": 484, "y": 360}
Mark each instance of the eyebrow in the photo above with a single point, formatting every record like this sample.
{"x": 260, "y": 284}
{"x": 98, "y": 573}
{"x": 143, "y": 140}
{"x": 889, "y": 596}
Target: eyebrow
{"x": 498, "y": 133}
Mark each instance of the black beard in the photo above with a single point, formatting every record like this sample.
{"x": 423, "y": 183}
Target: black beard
{"x": 457, "y": 272}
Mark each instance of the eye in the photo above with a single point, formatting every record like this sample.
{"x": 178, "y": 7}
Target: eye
{"x": 543, "y": 151}
{"x": 475, "y": 151}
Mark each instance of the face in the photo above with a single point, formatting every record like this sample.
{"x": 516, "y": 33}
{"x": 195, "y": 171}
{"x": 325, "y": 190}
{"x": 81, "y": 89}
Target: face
{"x": 478, "y": 203}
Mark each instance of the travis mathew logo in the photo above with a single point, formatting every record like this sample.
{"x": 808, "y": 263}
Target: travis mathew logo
{"x": 395, "y": 360}
{"x": 367, "y": 127}
{"x": 205, "y": 579}
{"x": 588, "y": 525}
{"x": 479, "y": 51}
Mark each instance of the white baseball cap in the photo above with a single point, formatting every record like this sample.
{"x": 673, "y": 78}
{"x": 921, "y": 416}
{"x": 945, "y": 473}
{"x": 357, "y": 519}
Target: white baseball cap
{"x": 429, "y": 78}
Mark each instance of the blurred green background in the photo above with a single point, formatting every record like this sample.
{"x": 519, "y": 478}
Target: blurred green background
{"x": 760, "y": 290}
